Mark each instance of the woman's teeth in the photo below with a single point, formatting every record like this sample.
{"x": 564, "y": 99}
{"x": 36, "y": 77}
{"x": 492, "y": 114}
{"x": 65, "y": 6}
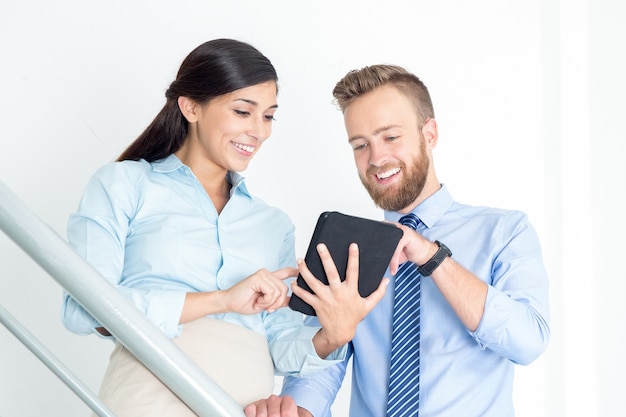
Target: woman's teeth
{"x": 246, "y": 148}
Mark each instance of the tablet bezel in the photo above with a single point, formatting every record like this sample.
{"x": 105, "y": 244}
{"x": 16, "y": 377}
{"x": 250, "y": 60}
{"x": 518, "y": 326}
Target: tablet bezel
{"x": 377, "y": 242}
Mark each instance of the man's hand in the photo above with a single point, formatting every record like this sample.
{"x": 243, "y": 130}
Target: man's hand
{"x": 412, "y": 247}
{"x": 274, "y": 406}
{"x": 338, "y": 305}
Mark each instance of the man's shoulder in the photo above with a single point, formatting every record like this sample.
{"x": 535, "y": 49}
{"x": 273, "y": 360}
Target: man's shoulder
{"x": 470, "y": 210}
{"x": 488, "y": 217}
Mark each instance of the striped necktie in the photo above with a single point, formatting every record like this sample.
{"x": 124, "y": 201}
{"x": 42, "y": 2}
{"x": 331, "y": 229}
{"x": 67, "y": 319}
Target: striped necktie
{"x": 403, "y": 398}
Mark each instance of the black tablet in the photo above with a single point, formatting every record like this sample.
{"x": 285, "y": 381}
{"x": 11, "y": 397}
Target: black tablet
{"x": 377, "y": 242}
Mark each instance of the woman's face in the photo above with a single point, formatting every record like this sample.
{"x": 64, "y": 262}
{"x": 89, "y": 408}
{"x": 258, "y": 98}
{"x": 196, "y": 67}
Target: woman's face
{"x": 229, "y": 129}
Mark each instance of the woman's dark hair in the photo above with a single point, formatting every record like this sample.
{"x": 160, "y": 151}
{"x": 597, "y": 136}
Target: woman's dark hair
{"x": 214, "y": 68}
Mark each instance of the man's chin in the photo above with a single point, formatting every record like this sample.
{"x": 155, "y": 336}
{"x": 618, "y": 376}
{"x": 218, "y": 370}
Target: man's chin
{"x": 382, "y": 195}
{"x": 382, "y": 200}
{"x": 390, "y": 200}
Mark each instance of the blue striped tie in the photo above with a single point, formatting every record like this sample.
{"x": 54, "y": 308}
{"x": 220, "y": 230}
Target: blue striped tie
{"x": 403, "y": 399}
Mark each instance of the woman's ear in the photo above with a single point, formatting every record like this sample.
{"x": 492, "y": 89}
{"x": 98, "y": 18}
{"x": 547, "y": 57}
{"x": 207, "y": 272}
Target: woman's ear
{"x": 188, "y": 108}
{"x": 430, "y": 132}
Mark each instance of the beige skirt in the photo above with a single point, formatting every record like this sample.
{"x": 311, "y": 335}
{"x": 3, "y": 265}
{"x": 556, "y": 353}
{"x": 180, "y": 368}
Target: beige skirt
{"x": 236, "y": 358}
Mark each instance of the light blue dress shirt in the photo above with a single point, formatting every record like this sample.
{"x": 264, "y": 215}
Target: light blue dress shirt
{"x": 463, "y": 373}
{"x": 152, "y": 231}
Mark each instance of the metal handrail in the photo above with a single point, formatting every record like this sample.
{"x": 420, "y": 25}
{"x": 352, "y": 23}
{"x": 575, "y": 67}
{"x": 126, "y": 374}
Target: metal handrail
{"x": 60, "y": 370}
{"x": 103, "y": 301}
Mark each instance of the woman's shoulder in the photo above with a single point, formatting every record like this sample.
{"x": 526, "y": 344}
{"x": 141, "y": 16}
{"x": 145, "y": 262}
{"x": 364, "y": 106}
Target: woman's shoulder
{"x": 118, "y": 184}
{"x": 262, "y": 204}
{"x": 122, "y": 171}
{"x": 257, "y": 204}
{"x": 271, "y": 214}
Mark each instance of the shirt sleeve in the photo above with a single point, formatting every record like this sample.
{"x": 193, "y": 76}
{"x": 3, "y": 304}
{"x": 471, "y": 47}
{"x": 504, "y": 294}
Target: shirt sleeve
{"x": 290, "y": 340}
{"x": 97, "y": 232}
{"x": 516, "y": 316}
{"x": 316, "y": 392}
{"x": 291, "y": 344}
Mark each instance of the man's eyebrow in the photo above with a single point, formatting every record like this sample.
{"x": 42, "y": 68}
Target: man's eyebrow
{"x": 376, "y": 132}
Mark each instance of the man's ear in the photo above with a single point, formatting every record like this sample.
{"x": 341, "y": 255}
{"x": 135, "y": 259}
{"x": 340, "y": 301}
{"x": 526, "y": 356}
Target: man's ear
{"x": 430, "y": 132}
{"x": 188, "y": 108}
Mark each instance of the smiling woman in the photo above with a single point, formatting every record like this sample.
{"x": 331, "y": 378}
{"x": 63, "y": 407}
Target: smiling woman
{"x": 225, "y": 133}
{"x": 172, "y": 225}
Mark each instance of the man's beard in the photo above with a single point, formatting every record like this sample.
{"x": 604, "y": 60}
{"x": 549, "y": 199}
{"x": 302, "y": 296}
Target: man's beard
{"x": 398, "y": 196}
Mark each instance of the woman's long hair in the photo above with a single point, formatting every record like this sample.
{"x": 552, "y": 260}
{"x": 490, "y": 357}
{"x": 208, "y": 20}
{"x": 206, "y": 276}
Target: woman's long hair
{"x": 214, "y": 68}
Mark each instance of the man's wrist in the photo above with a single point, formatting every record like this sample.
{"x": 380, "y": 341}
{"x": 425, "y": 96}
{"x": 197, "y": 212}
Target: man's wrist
{"x": 325, "y": 345}
{"x": 303, "y": 412}
{"x": 433, "y": 263}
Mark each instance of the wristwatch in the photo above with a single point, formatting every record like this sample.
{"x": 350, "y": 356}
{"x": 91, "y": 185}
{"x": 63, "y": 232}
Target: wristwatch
{"x": 429, "y": 267}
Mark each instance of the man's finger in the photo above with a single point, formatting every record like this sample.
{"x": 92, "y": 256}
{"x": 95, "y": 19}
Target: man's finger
{"x": 334, "y": 280}
{"x": 314, "y": 284}
{"x": 307, "y": 297}
{"x": 352, "y": 268}
{"x": 377, "y": 295}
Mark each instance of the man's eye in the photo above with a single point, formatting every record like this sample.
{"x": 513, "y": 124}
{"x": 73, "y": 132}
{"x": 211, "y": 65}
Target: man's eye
{"x": 359, "y": 147}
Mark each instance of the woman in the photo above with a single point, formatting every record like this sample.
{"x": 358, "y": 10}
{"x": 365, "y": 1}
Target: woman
{"x": 173, "y": 226}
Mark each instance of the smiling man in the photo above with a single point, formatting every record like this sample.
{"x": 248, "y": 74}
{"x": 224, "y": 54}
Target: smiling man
{"x": 482, "y": 289}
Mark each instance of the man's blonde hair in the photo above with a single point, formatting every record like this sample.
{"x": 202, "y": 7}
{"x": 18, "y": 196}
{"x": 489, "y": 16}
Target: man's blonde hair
{"x": 358, "y": 82}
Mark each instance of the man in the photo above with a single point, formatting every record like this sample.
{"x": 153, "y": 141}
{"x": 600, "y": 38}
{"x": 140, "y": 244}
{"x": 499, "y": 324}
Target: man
{"x": 484, "y": 301}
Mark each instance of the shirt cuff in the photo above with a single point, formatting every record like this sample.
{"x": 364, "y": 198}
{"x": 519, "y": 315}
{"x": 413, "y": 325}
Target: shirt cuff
{"x": 495, "y": 318}
{"x": 313, "y": 362}
{"x": 164, "y": 311}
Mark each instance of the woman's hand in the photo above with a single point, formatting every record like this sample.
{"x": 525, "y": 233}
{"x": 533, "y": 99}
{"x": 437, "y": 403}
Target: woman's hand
{"x": 261, "y": 291}
{"x": 338, "y": 305}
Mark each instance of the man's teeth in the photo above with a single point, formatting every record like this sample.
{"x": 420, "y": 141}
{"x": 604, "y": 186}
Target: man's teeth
{"x": 388, "y": 173}
{"x": 246, "y": 148}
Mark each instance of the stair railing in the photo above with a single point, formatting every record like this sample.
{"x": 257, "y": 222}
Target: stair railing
{"x": 103, "y": 301}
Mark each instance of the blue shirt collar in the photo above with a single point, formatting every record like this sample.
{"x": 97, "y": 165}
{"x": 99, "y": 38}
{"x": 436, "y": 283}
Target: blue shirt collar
{"x": 171, "y": 163}
{"x": 429, "y": 210}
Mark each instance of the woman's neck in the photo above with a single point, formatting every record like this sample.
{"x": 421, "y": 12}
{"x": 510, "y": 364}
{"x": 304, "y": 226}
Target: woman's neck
{"x": 212, "y": 177}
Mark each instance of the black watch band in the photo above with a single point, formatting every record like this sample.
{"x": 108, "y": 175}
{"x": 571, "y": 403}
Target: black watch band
{"x": 429, "y": 267}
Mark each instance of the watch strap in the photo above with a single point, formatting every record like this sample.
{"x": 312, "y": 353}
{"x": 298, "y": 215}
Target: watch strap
{"x": 429, "y": 267}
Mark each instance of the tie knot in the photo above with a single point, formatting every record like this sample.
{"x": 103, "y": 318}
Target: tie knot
{"x": 410, "y": 220}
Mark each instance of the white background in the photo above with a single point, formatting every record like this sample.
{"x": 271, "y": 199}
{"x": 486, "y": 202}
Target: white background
{"x": 529, "y": 97}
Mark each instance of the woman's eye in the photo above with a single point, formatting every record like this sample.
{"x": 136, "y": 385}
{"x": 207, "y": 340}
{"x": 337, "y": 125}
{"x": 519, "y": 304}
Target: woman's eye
{"x": 270, "y": 117}
{"x": 242, "y": 112}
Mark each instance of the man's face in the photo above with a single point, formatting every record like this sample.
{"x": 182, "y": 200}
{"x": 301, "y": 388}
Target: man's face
{"x": 389, "y": 147}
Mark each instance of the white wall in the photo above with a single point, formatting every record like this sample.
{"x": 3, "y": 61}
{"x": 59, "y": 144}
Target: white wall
{"x": 528, "y": 96}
